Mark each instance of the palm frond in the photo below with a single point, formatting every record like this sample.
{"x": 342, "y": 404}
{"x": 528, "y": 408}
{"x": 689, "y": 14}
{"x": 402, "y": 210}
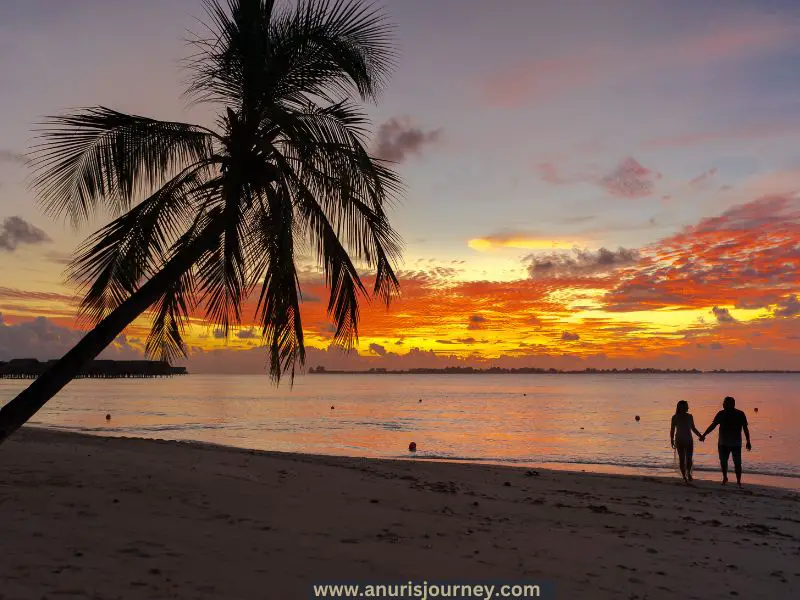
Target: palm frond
{"x": 367, "y": 231}
{"x": 165, "y": 340}
{"x": 289, "y": 169}
{"x": 98, "y": 155}
{"x": 256, "y": 53}
{"x": 222, "y": 271}
{"x": 173, "y": 308}
{"x": 345, "y": 45}
{"x": 112, "y": 263}
{"x": 323, "y": 154}
{"x": 278, "y": 306}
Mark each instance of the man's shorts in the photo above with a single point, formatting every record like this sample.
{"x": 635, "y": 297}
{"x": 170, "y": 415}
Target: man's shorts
{"x": 726, "y": 451}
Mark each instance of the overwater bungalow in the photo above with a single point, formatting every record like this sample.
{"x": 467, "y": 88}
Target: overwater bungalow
{"x": 31, "y": 368}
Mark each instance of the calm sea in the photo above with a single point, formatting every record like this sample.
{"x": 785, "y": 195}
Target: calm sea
{"x": 580, "y": 422}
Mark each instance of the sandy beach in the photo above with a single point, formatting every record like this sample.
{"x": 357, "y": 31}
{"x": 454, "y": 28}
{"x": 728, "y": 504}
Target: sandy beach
{"x": 90, "y": 517}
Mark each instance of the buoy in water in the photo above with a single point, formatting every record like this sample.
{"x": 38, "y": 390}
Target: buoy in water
{"x": 638, "y": 418}
{"x": 412, "y": 447}
{"x": 108, "y": 417}
{"x": 755, "y": 409}
{"x": 420, "y": 399}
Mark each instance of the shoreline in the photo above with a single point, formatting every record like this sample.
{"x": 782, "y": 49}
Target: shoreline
{"x": 109, "y": 517}
{"x": 708, "y": 474}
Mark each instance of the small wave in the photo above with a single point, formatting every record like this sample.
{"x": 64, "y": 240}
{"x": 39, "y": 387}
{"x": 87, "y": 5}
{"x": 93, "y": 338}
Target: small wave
{"x": 141, "y": 429}
{"x": 387, "y": 425}
{"x": 777, "y": 471}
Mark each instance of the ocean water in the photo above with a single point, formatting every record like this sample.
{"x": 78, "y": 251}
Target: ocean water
{"x": 580, "y": 422}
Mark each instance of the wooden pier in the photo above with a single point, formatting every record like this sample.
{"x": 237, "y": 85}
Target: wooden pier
{"x": 30, "y": 368}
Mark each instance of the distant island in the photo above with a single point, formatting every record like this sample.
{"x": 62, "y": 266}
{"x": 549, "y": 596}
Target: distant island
{"x": 320, "y": 370}
{"x": 31, "y": 368}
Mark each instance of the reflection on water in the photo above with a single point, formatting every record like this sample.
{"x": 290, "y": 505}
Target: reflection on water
{"x": 524, "y": 419}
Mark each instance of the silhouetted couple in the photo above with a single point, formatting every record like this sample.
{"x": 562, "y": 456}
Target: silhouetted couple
{"x": 731, "y": 423}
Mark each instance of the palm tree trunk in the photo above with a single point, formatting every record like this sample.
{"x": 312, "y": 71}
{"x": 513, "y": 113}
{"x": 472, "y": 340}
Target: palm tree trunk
{"x": 17, "y": 412}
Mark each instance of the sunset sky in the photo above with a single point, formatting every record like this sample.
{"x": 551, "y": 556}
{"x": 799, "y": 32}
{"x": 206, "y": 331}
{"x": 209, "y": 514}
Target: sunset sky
{"x": 604, "y": 183}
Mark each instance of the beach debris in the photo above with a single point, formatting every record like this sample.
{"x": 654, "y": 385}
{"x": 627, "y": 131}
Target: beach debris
{"x": 420, "y": 399}
{"x": 599, "y": 508}
{"x": 333, "y": 407}
{"x": 108, "y": 417}
{"x": 531, "y": 473}
{"x": 638, "y": 418}
{"x": 412, "y": 447}
{"x": 507, "y": 484}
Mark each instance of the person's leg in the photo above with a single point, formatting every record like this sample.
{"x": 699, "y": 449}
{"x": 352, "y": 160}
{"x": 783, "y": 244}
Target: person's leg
{"x": 682, "y": 459}
{"x": 736, "y": 451}
{"x": 689, "y": 461}
{"x": 724, "y": 452}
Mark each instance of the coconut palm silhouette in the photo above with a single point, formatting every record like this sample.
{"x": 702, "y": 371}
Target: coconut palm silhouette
{"x": 205, "y": 217}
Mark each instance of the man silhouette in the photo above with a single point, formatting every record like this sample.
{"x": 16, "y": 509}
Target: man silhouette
{"x": 731, "y": 423}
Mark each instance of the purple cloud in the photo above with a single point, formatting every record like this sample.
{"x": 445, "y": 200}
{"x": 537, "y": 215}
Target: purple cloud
{"x": 399, "y": 139}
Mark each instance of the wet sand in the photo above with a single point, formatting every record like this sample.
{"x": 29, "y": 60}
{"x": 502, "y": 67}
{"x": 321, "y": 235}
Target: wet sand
{"x": 128, "y": 518}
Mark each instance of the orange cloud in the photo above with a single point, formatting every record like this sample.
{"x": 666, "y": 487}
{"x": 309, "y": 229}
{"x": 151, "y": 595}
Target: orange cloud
{"x": 748, "y": 256}
{"x": 715, "y": 293}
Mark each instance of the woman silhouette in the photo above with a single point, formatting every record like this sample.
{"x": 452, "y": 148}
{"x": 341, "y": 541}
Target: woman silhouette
{"x": 680, "y": 437}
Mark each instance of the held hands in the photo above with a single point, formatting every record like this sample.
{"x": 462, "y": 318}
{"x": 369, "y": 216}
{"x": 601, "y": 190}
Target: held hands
{"x": 702, "y": 438}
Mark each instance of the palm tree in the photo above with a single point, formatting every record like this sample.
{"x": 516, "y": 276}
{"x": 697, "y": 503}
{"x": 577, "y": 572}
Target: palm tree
{"x": 205, "y": 217}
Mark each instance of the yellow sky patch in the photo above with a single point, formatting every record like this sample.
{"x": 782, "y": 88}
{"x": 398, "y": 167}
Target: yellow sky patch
{"x": 519, "y": 243}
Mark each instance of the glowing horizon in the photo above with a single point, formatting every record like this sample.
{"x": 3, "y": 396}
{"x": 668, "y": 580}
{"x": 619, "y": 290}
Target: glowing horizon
{"x": 564, "y": 207}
